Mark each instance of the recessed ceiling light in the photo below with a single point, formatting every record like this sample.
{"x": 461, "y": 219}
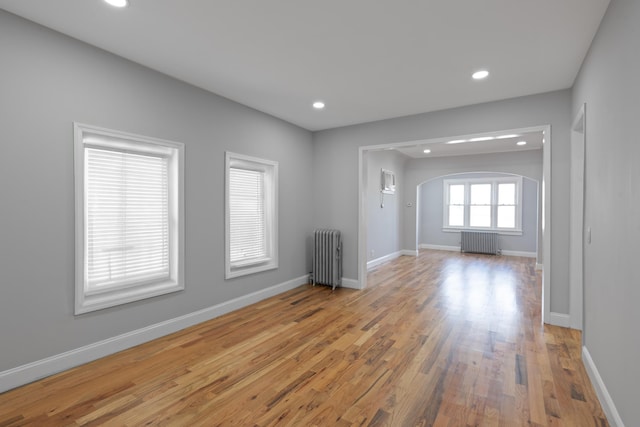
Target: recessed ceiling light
{"x": 118, "y": 3}
{"x": 521, "y": 143}
{"x": 480, "y": 74}
{"x": 507, "y": 136}
{"x": 457, "y": 141}
{"x": 318, "y": 105}
{"x": 426, "y": 151}
{"x": 482, "y": 138}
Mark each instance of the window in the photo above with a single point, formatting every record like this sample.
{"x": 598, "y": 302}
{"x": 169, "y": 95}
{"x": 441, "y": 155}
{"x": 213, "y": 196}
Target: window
{"x": 251, "y": 215}
{"x": 129, "y": 210}
{"x": 483, "y": 204}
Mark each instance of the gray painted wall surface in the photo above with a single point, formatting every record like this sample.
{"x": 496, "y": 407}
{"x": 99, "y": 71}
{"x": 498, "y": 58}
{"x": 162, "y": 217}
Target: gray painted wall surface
{"x": 431, "y": 209}
{"x": 384, "y": 225}
{"x": 336, "y": 158}
{"x": 608, "y": 83}
{"x": 49, "y": 81}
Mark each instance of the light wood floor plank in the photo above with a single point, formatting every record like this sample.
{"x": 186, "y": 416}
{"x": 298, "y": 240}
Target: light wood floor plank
{"x": 443, "y": 339}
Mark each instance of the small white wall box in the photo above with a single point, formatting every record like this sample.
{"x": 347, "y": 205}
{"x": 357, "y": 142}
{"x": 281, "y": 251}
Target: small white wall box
{"x": 388, "y": 182}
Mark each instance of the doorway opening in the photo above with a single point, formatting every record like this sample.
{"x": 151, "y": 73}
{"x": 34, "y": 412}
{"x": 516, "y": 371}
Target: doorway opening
{"x": 411, "y": 181}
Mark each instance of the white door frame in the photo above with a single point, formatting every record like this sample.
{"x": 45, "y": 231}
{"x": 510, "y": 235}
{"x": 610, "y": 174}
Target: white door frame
{"x": 576, "y": 230}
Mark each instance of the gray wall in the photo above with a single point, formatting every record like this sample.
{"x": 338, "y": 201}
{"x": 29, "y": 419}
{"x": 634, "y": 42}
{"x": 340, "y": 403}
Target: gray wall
{"x": 608, "y": 83}
{"x": 384, "y": 224}
{"x": 49, "y": 81}
{"x": 336, "y": 151}
{"x": 430, "y": 214}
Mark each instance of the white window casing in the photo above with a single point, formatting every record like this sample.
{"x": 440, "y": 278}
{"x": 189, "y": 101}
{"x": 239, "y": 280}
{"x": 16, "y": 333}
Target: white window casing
{"x": 484, "y": 204}
{"x": 251, "y": 215}
{"x": 129, "y": 217}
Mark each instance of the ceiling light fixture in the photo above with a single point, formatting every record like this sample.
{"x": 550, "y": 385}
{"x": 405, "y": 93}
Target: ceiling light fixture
{"x": 318, "y": 105}
{"x": 521, "y": 143}
{"x": 507, "y": 136}
{"x": 480, "y": 74}
{"x": 118, "y": 3}
{"x": 482, "y": 138}
{"x": 457, "y": 141}
{"x": 426, "y": 151}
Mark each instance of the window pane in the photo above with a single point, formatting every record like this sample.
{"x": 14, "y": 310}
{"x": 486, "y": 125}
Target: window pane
{"x": 507, "y": 194}
{"x": 456, "y": 216}
{"x": 456, "y": 194}
{"x": 127, "y": 218}
{"x": 480, "y": 216}
{"x": 506, "y": 216}
{"x": 480, "y": 194}
{"x": 246, "y": 215}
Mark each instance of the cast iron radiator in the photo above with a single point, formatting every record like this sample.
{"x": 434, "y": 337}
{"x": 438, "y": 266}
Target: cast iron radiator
{"x": 327, "y": 258}
{"x": 481, "y": 242}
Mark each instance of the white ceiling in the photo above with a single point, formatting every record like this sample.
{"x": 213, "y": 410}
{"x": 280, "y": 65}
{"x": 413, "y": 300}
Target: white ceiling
{"x": 500, "y": 143}
{"x": 368, "y": 60}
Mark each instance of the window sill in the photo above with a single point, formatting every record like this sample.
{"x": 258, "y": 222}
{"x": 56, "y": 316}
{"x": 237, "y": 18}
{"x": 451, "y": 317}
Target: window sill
{"x": 111, "y": 298}
{"x": 239, "y": 270}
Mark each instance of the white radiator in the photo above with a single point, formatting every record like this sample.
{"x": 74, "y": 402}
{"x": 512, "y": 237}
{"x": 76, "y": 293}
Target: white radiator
{"x": 327, "y": 258}
{"x": 480, "y": 242}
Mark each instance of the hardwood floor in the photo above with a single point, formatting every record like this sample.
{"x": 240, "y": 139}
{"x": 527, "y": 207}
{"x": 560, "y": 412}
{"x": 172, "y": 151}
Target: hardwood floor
{"x": 445, "y": 339}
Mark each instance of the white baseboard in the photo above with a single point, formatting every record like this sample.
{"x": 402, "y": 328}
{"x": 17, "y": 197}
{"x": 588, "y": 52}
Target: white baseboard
{"x": 606, "y": 401}
{"x": 350, "y": 283}
{"x": 30, "y": 372}
{"x": 376, "y": 262}
{"x": 457, "y": 249}
{"x": 439, "y": 247}
{"x": 519, "y": 253}
{"x": 559, "y": 319}
{"x": 409, "y": 252}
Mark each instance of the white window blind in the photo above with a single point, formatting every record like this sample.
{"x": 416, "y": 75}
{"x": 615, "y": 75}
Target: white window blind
{"x": 127, "y": 211}
{"x": 251, "y": 215}
{"x": 129, "y": 217}
{"x": 247, "y": 216}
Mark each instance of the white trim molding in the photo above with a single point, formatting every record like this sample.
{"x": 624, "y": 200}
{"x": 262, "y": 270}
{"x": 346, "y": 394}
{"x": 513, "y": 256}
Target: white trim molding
{"x": 378, "y": 261}
{"x": 268, "y": 259}
{"x": 97, "y": 150}
{"x": 439, "y": 247}
{"x": 351, "y": 283}
{"x": 604, "y": 397}
{"x": 39, "y": 369}
{"x": 519, "y": 253}
{"x": 409, "y": 252}
{"x": 559, "y": 319}
{"x": 576, "y": 214}
{"x": 545, "y": 224}
{"x": 457, "y": 249}
{"x": 494, "y": 183}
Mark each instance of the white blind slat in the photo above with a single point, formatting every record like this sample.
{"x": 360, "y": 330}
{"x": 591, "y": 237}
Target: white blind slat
{"x": 246, "y": 215}
{"x": 127, "y": 217}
